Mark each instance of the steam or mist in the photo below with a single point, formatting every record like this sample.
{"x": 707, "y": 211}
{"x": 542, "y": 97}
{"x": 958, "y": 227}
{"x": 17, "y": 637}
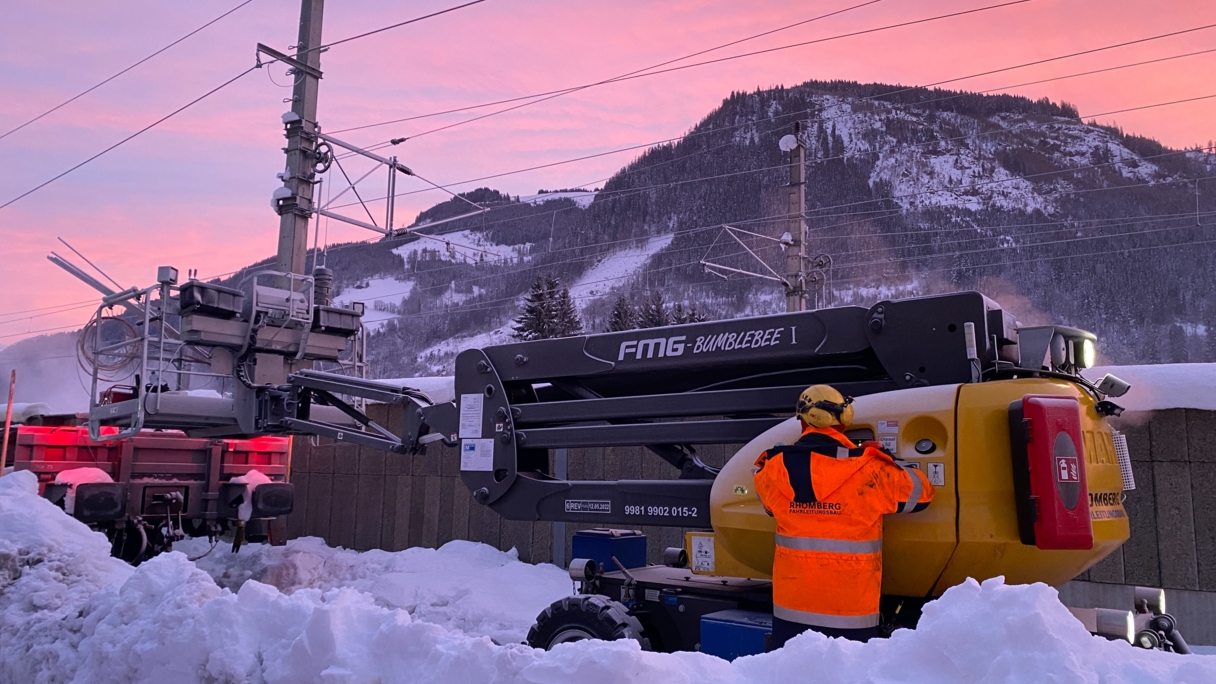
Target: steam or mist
{"x": 47, "y": 372}
{"x": 1007, "y": 295}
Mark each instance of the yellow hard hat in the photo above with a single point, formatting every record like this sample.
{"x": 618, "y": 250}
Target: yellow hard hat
{"x": 822, "y": 406}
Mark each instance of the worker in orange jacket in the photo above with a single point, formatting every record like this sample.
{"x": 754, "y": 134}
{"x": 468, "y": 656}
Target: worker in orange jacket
{"x": 828, "y": 496}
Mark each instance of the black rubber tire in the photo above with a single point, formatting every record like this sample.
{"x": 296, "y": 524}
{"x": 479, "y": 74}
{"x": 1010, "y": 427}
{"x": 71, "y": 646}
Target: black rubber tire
{"x": 576, "y": 618}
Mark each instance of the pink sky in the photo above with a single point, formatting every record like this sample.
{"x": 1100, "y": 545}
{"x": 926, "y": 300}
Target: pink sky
{"x": 195, "y": 192}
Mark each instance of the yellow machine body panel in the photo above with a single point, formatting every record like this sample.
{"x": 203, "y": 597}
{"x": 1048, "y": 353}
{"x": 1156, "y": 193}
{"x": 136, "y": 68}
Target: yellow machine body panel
{"x": 970, "y": 529}
{"x": 988, "y": 528}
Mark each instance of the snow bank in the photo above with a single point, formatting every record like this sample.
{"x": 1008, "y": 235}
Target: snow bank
{"x": 1163, "y": 386}
{"x": 463, "y": 586}
{"x": 69, "y": 613}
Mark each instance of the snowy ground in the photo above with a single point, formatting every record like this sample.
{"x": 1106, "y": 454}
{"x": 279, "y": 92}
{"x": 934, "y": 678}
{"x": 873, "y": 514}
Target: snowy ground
{"x": 377, "y": 295}
{"x": 463, "y": 245}
{"x": 307, "y": 613}
{"x": 582, "y": 199}
{"x": 615, "y": 269}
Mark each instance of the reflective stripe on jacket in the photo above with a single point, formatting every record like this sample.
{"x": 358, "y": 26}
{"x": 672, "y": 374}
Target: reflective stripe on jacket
{"x": 828, "y": 496}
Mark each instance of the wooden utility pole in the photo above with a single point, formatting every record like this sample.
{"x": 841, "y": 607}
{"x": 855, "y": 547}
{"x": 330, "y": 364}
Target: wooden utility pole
{"x": 8, "y": 421}
{"x": 795, "y": 254}
{"x": 300, "y": 176}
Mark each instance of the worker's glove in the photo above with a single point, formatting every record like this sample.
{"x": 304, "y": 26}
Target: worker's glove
{"x": 875, "y": 444}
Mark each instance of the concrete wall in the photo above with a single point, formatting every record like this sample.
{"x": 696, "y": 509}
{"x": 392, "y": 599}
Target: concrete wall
{"x": 1172, "y": 513}
{"x": 365, "y": 498}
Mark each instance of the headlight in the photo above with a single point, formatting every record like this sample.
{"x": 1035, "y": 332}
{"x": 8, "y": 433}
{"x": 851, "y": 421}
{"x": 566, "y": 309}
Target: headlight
{"x": 1084, "y": 353}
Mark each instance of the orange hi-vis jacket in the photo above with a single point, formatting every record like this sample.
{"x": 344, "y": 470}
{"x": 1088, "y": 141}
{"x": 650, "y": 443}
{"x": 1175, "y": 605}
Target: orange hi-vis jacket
{"x": 828, "y": 497}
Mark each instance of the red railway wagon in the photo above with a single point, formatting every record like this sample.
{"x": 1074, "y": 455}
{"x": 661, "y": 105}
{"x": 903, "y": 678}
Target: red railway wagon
{"x": 160, "y": 486}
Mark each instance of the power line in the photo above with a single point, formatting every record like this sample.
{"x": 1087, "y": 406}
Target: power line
{"x": 651, "y": 72}
{"x": 824, "y": 119}
{"x": 218, "y": 88}
{"x": 564, "y": 91}
{"x": 390, "y": 27}
{"x": 141, "y": 131}
{"x": 1133, "y": 221}
{"x": 634, "y": 191}
{"x": 36, "y": 332}
{"x": 1125, "y": 250}
{"x": 498, "y": 303}
{"x": 120, "y": 73}
{"x": 46, "y": 308}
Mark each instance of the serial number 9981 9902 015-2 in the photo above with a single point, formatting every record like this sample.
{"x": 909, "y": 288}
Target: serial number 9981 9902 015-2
{"x": 662, "y": 511}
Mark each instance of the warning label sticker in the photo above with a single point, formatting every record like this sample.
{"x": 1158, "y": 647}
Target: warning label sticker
{"x": 936, "y": 473}
{"x": 470, "y": 415}
{"x": 477, "y": 455}
{"x": 703, "y": 553}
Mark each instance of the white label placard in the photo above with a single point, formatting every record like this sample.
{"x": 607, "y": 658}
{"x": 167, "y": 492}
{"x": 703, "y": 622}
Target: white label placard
{"x": 477, "y": 454}
{"x": 470, "y": 415}
{"x": 937, "y": 474}
{"x": 888, "y": 426}
{"x": 890, "y": 443}
{"x": 703, "y": 553}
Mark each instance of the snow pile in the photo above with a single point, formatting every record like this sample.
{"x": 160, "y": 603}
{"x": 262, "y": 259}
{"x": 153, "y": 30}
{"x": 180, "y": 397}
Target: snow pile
{"x": 79, "y": 476}
{"x": 463, "y": 586}
{"x": 1163, "y": 386}
{"x": 252, "y": 479}
{"x": 69, "y": 613}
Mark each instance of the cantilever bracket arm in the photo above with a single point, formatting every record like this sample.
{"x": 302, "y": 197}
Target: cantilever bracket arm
{"x": 295, "y": 63}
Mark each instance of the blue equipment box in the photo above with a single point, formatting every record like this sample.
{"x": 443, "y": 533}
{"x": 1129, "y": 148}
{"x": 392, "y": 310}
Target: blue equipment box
{"x": 729, "y": 634}
{"x": 601, "y": 544}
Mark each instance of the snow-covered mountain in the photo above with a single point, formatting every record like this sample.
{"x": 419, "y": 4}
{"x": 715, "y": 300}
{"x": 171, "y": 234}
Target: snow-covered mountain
{"x": 909, "y": 191}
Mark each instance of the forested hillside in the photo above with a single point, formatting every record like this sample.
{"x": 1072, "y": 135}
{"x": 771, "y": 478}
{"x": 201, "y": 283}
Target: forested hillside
{"x": 910, "y": 191}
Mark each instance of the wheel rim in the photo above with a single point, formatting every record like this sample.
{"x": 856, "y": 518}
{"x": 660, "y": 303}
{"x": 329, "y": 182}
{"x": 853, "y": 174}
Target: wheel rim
{"x": 570, "y": 634}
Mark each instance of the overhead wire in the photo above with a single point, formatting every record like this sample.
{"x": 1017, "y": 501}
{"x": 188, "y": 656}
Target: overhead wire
{"x": 565, "y": 91}
{"x": 740, "y": 56}
{"x": 1131, "y": 221}
{"x": 950, "y": 80}
{"x": 494, "y": 304}
{"x": 822, "y": 119}
{"x": 990, "y": 72}
{"x": 123, "y": 71}
{"x": 132, "y": 136}
{"x": 220, "y": 87}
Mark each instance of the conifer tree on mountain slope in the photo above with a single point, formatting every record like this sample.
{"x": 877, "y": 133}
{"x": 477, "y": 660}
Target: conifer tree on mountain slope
{"x": 533, "y": 321}
{"x": 549, "y": 312}
{"x": 623, "y": 316}
{"x": 654, "y": 312}
{"x": 566, "y": 322}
